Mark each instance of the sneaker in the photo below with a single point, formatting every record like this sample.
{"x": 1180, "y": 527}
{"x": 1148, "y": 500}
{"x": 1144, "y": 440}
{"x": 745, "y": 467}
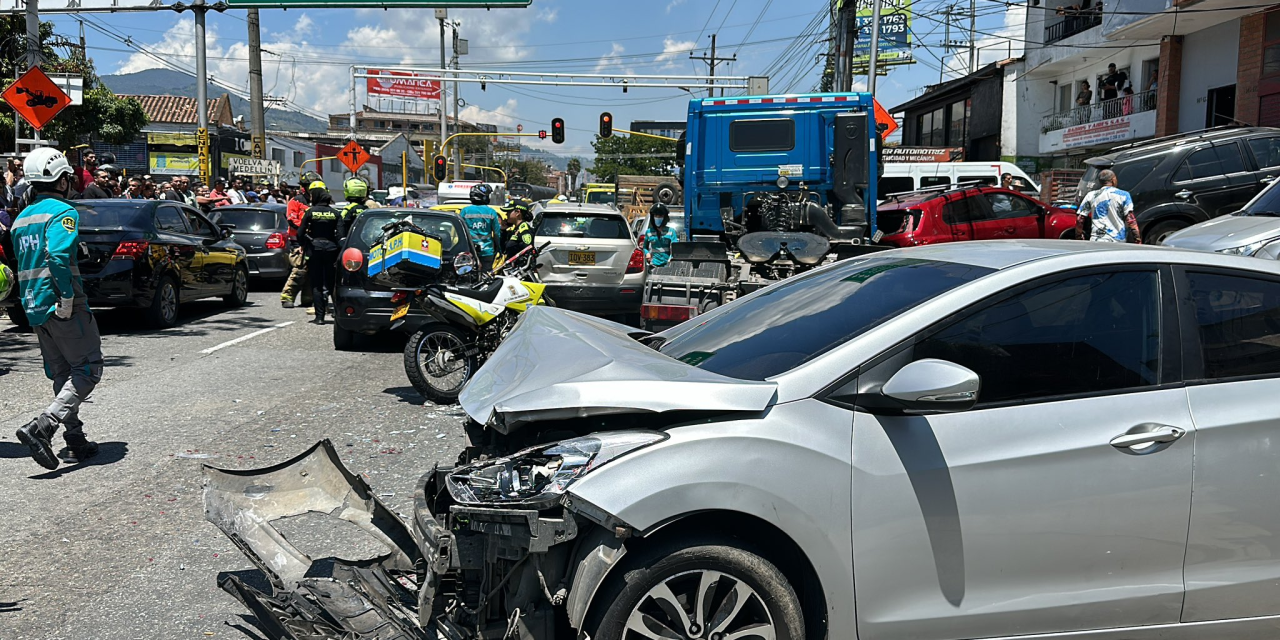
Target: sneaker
{"x": 287, "y": 304}
{"x": 78, "y": 449}
{"x": 311, "y": 311}
{"x": 35, "y": 435}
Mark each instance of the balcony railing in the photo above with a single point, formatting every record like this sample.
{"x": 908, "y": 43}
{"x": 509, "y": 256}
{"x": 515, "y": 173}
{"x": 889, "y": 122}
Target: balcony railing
{"x": 1071, "y": 22}
{"x": 1102, "y": 110}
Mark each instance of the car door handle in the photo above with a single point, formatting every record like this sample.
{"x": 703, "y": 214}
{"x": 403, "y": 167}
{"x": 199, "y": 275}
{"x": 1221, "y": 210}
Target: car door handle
{"x": 1184, "y": 194}
{"x": 1267, "y": 180}
{"x": 1159, "y": 434}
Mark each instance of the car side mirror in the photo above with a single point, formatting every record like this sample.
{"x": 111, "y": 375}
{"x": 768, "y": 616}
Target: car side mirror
{"x": 933, "y": 386}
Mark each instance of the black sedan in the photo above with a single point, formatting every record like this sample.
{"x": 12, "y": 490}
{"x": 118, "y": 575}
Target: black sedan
{"x": 154, "y": 254}
{"x": 261, "y": 229}
{"x": 364, "y": 307}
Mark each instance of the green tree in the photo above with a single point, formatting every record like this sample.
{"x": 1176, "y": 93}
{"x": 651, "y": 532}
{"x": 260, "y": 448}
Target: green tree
{"x": 574, "y": 168}
{"x": 531, "y": 171}
{"x": 632, "y": 155}
{"x": 103, "y": 116}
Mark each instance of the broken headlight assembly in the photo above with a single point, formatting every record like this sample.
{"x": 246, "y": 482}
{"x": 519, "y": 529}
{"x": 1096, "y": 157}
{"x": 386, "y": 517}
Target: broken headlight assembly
{"x": 538, "y": 476}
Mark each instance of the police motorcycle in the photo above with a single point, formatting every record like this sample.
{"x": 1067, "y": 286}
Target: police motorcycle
{"x": 471, "y": 311}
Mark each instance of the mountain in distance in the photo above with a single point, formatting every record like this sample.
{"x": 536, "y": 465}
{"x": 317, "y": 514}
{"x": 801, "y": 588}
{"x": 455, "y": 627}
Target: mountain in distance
{"x": 164, "y": 82}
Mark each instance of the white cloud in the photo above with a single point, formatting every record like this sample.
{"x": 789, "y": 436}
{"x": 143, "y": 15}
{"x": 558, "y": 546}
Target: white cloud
{"x": 1004, "y": 43}
{"x": 673, "y": 4}
{"x": 610, "y": 61}
{"x": 674, "y": 51}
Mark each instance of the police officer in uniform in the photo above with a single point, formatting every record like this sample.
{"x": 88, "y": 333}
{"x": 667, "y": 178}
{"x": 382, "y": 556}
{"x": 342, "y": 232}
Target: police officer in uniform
{"x": 519, "y": 230}
{"x": 356, "y": 192}
{"x": 319, "y": 233}
{"x": 45, "y": 237}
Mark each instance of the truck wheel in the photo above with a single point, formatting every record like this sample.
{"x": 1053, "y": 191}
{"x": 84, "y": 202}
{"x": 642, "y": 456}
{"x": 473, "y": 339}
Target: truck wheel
{"x": 436, "y": 362}
{"x": 697, "y": 590}
{"x": 667, "y": 193}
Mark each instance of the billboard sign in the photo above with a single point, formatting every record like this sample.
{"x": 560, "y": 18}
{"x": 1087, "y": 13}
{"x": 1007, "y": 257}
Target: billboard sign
{"x": 174, "y": 164}
{"x": 402, "y": 84}
{"x": 895, "y": 33}
{"x": 253, "y": 166}
{"x": 922, "y": 154}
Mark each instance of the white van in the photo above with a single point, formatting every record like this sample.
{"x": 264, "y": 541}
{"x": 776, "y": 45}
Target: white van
{"x": 900, "y": 177}
{"x": 460, "y": 191}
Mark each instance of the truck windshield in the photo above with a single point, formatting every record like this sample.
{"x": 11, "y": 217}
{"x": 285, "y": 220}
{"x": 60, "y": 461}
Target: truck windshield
{"x": 800, "y": 319}
{"x": 600, "y": 197}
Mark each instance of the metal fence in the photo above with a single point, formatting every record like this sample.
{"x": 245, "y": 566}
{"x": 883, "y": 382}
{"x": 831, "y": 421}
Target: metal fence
{"x": 1071, "y": 24}
{"x": 1102, "y": 110}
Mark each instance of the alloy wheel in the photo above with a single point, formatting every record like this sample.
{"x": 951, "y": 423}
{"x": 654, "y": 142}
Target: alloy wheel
{"x": 702, "y": 605}
{"x": 168, "y": 303}
{"x": 241, "y": 287}
{"x": 442, "y": 360}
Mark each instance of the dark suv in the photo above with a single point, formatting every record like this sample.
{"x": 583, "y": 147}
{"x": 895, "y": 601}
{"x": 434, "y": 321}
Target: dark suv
{"x": 1181, "y": 180}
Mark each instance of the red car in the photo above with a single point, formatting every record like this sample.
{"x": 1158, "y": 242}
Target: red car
{"x": 974, "y": 213}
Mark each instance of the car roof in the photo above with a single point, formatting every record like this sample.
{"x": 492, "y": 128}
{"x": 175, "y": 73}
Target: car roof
{"x": 1175, "y": 141}
{"x": 582, "y": 207}
{"x": 1002, "y": 254}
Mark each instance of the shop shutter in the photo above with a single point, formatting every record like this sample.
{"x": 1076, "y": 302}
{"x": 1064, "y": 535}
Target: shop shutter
{"x": 1269, "y": 111}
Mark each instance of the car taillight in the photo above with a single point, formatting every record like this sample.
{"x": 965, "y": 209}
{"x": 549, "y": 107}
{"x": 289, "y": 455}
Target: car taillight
{"x": 352, "y": 259}
{"x": 275, "y": 241}
{"x": 131, "y": 250}
{"x": 399, "y": 296}
{"x": 636, "y": 263}
{"x": 666, "y": 312}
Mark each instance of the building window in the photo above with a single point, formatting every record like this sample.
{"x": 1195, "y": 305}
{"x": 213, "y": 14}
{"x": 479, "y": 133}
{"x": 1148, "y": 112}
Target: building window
{"x": 958, "y": 126}
{"x": 924, "y": 125}
{"x": 278, "y": 155}
{"x": 298, "y": 158}
{"x": 1271, "y": 45}
{"x": 360, "y": 123}
{"x": 397, "y": 125}
{"x": 938, "y": 138}
{"x": 334, "y": 165}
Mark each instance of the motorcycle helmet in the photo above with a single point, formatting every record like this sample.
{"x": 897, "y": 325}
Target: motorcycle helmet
{"x": 355, "y": 188}
{"x": 480, "y": 194}
{"x": 307, "y": 178}
{"x": 7, "y": 282}
{"x": 658, "y": 210}
{"x": 45, "y": 164}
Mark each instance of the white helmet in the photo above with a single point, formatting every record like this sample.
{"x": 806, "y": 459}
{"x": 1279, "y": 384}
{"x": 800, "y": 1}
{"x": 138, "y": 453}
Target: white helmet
{"x": 45, "y": 164}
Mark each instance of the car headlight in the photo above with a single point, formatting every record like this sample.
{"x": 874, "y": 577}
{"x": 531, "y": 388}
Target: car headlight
{"x": 540, "y": 475}
{"x": 1245, "y": 250}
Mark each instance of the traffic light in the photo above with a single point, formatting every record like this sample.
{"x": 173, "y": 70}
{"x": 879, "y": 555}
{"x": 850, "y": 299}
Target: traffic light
{"x": 557, "y": 130}
{"x": 606, "y": 124}
{"x": 438, "y": 170}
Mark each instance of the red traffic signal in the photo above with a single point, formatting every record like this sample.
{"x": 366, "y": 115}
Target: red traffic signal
{"x": 606, "y": 124}
{"x": 557, "y": 130}
{"x": 438, "y": 170}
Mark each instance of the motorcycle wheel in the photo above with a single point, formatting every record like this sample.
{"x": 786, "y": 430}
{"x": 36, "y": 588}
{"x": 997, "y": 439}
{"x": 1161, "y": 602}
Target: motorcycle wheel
{"x": 436, "y": 362}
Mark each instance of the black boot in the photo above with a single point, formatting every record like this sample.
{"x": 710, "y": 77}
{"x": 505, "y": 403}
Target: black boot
{"x": 78, "y": 449}
{"x": 36, "y": 435}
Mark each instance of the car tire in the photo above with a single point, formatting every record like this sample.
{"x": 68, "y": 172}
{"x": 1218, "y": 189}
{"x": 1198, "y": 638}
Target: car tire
{"x": 443, "y": 340}
{"x": 683, "y": 568}
{"x": 1157, "y": 232}
{"x": 18, "y": 316}
{"x": 163, "y": 311}
{"x": 239, "y": 290}
{"x": 667, "y": 193}
{"x": 343, "y": 339}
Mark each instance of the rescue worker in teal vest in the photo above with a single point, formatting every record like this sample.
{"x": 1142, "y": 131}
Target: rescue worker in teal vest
{"x": 658, "y": 237}
{"x": 356, "y": 191}
{"x": 319, "y": 234}
{"x": 483, "y": 225}
{"x": 45, "y": 237}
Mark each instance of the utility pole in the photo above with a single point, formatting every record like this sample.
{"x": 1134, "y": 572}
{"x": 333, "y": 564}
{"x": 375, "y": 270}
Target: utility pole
{"x": 875, "y": 48}
{"x": 973, "y": 44}
{"x": 713, "y": 61}
{"x": 441, "y": 15}
{"x": 946, "y": 39}
{"x": 457, "y": 150}
{"x": 202, "y": 94}
{"x": 259, "y": 131}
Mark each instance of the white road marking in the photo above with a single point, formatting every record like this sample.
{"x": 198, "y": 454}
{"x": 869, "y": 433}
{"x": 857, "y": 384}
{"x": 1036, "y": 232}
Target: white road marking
{"x": 245, "y": 337}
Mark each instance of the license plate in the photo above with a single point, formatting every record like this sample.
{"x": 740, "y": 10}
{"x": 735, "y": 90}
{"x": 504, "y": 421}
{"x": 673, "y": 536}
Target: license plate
{"x": 582, "y": 257}
{"x": 401, "y": 311}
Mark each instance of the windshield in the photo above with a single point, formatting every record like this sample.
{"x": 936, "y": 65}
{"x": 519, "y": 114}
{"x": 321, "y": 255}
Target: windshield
{"x": 572, "y": 225}
{"x": 1266, "y": 204}
{"x": 600, "y": 197}
{"x": 1088, "y": 182}
{"x": 444, "y": 226}
{"x": 249, "y": 219}
{"x": 799, "y": 319}
{"x": 106, "y": 214}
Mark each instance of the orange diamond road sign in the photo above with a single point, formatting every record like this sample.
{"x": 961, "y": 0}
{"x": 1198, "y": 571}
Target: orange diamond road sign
{"x": 883, "y": 118}
{"x": 36, "y": 98}
{"x": 353, "y": 155}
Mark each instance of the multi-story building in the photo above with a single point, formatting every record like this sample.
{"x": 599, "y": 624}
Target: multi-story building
{"x": 1188, "y": 64}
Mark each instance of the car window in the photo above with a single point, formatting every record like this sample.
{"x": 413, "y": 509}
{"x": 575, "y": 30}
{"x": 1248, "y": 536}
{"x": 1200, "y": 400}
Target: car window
{"x": 1088, "y": 334}
{"x": 1266, "y": 151}
{"x": 934, "y": 181}
{"x": 199, "y": 226}
{"x": 803, "y": 317}
{"x": 573, "y": 225}
{"x": 1229, "y": 157}
{"x": 1210, "y": 162}
{"x": 895, "y": 185}
{"x": 1005, "y": 205}
{"x": 960, "y": 211}
{"x": 111, "y": 214}
{"x": 446, "y": 227}
{"x": 989, "y": 180}
{"x": 1131, "y": 174}
{"x": 249, "y": 219}
{"x": 170, "y": 218}
{"x": 1238, "y": 319}
{"x": 773, "y": 134}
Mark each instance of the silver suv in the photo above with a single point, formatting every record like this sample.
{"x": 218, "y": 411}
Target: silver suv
{"x": 593, "y": 264}
{"x": 1040, "y": 438}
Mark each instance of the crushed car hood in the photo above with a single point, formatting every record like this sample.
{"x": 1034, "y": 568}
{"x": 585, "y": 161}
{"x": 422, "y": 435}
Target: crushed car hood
{"x": 558, "y": 364}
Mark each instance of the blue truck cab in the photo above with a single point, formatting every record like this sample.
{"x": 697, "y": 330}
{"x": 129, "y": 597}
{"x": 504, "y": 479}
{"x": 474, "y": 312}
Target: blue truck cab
{"x": 737, "y": 148}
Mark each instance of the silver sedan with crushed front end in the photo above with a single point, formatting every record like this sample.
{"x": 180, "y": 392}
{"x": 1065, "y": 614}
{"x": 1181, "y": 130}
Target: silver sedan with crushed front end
{"x": 988, "y": 440}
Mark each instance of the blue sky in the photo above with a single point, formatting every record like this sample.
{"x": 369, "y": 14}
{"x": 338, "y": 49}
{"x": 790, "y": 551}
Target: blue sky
{"x": 307, "y": 53}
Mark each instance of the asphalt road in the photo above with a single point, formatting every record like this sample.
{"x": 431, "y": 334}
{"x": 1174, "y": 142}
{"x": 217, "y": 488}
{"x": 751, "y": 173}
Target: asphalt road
{"x": 118, "y": 547}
